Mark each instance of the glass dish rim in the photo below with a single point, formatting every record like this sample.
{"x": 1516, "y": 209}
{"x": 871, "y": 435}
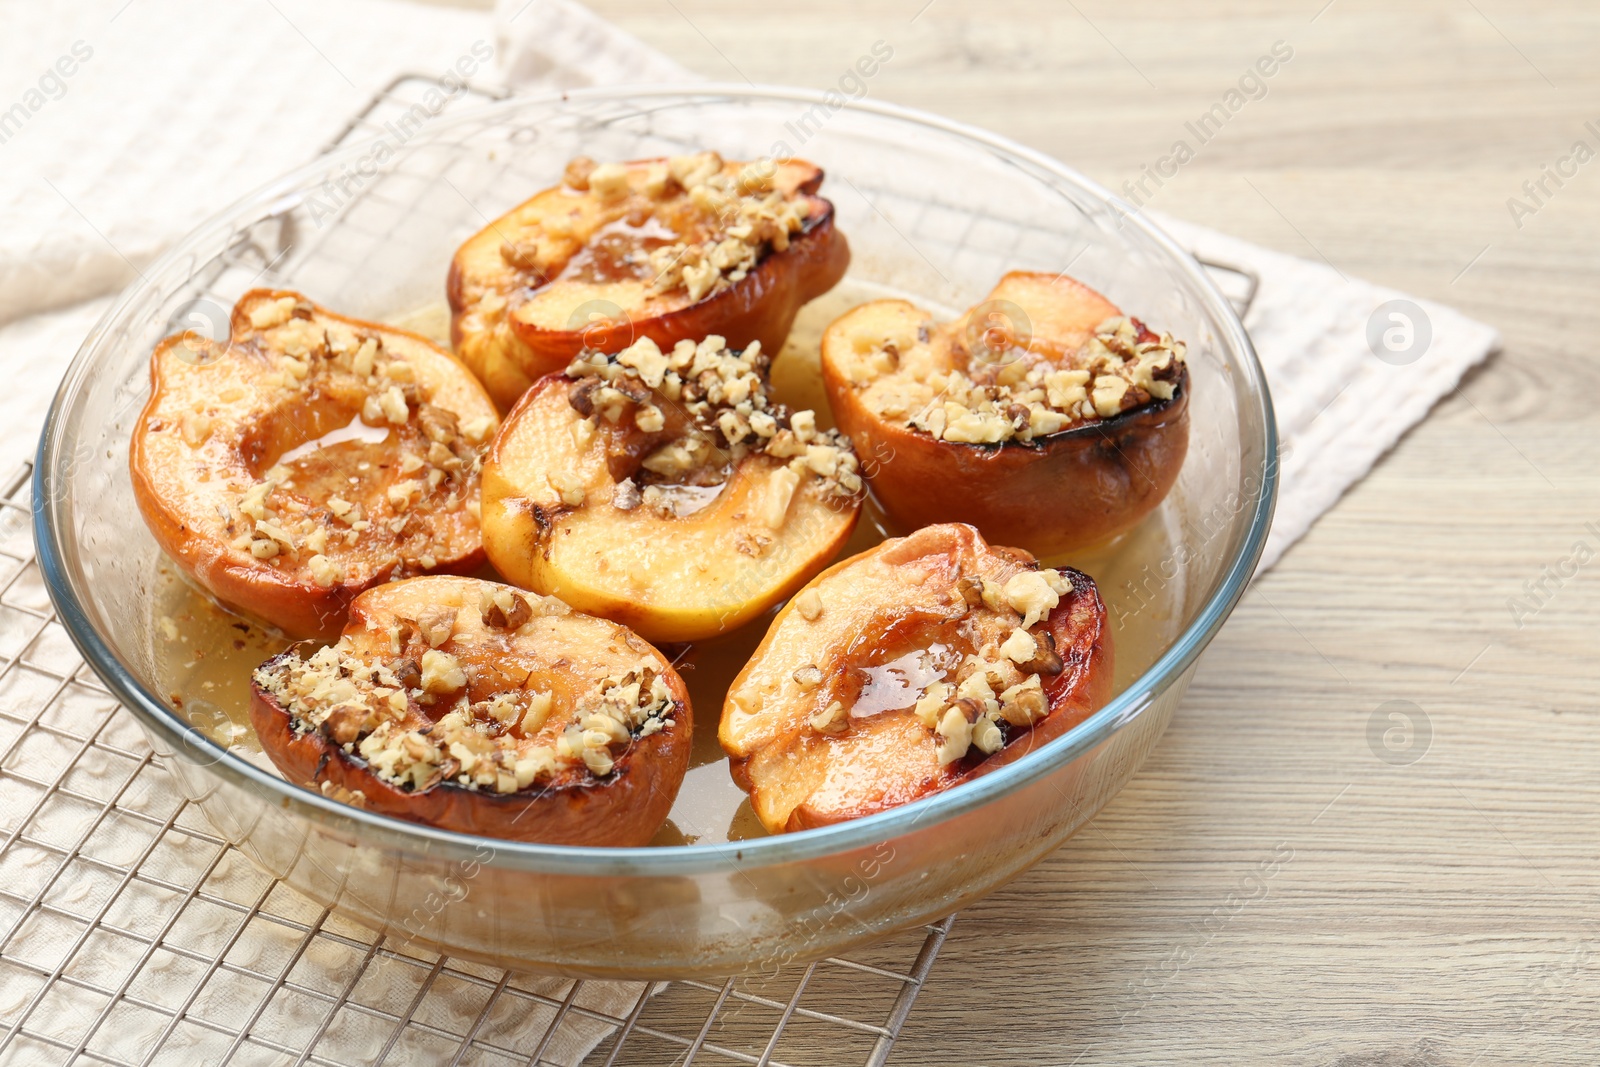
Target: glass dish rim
{"x": 681, "y": 860}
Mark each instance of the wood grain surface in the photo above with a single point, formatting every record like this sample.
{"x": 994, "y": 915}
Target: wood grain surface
{"x": 1270, "y": 888}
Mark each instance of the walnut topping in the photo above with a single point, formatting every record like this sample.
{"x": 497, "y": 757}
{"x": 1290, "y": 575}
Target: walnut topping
{"x": 271, "y": 313}
{"x": 658, "y": 181}
{"x": 569, "y": 487}
{"x": 949, "y": 394}
{"x": 729, "y": 417}
{"x": 1024, "y": 703}
{"x": 504, "y": 609}
{"x": 320, "y": 357}
{"x": 538, "y": 710}
{"x": 495, "y": 744}
{"x": 353, "y": 797}
{"x": 808, "y": 677}
{"x": 609, "y": 181}
{"x": 808, "y": 602}
{"x": 831, "y": 720}
{"x": 780, "y": 491}
{"x": 578, "y": 172}
{"x": 648, "y": 361}
{"x": 956, "y": 734}
{"x": 442, "y": 672}
{"x": 325, "y": 572}
{"x": 195, "y": 427}
{"x": 595, "y": 754}
{"x": 1020, "y": 647}
{"x": 392, "y": 403}
{"x": 1031, "y": 595}
{"x": 986, "y": 736}
{"x": 625, "y": 497}
{"x": 717, "y": 227}
{"x": 744, "y": 216}
{"x": 1000, "y": 685}
{"x": 930, "y": 706}
{"x": 477, "y": 430}
{"x": 650, "y": 419}
{"x": 436, "y": 625}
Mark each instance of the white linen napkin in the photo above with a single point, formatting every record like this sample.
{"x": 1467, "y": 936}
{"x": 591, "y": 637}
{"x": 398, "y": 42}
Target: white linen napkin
{"x": 1352, "y": 366}
{"x": 179, "y": 107}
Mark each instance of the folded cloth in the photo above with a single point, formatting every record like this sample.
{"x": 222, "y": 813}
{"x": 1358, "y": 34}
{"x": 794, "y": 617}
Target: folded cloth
{"x": 561, "y": 44}
{"x": 173, "y": 109}
{"x": 1351, "y": 366}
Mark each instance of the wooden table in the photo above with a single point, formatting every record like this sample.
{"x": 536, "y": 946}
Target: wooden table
{"x": 1441, "y": 912}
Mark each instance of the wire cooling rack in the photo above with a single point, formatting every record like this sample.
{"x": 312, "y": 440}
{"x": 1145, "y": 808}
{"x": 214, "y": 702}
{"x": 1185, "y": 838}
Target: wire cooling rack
{"x": 130, "y": 934}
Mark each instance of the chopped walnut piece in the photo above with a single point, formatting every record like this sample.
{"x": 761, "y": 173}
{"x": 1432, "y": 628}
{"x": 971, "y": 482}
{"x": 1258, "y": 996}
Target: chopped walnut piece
{"x": 477, "y": 430}
{"x": 780, "y": 491}
{"x": 392, "y": 402}
{"x": 956, "y": 733}
{"x": 195, "y": 427}
{"x": 626, "y": 496}
{"x": 442, "y": 673}
{"x": 353, "y": 797}
{"x": 538, "y": 711}
{"x": 730, "y": 415}
{"x": 436, "y": 625}
{"x": 598, "y": 760}
{"x": 986, "y": 736}
{"x": 1020, "y": 646}
{"x": 1030, "y": 594}
{"x": 345, "y": 723}
{"x": 1108, "y": 393}
{"x": 609, "y": 181}
{"x": 577, "y": 173}
{"x": 324, "y": 571}
{"x": 808, "y": 677}
{"x": 1046, "y": 660}
{"x": 645, "y": 357}
{"x": 657, "y": 181}
{"x": 504, "y": 609}
{"x": 831, "y": 720}
{"x": 271, "y": 313}
{"x": 979, "y": 402}
{"x": 808, "y": 602}
{"x": 1024, "y": 703}
{"x": 650, "y": 419}
{"x": 747, "y": 216}
{"x": 569, "y": 487}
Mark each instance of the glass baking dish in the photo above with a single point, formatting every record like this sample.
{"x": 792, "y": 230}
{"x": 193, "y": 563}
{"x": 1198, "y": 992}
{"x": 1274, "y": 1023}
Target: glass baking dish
{"x": 932, "y": 209}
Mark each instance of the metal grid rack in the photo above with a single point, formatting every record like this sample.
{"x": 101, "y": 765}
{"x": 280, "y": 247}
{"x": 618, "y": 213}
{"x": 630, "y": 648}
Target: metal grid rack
{"x": 130, "y": 934}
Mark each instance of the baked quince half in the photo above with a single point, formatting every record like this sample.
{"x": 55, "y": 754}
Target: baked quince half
{"x": 918, "y": 665}
{"x": 308, "y": 458}
{"x": 666, "y": 490}
{"x": 667, "y": 249}
{"x": 1044, "y": 416}
{"x": 475, "y": 707}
